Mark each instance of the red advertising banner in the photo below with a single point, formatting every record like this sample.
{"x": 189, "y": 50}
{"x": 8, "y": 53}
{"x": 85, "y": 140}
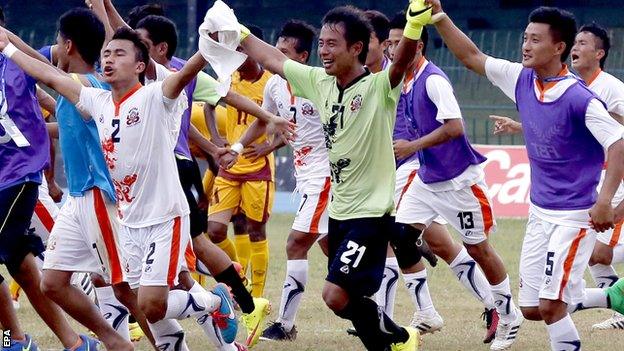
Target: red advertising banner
{"x": 508, "y": 177}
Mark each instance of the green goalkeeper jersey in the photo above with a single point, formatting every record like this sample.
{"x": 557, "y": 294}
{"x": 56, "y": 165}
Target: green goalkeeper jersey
{"x": 358, "y": 122}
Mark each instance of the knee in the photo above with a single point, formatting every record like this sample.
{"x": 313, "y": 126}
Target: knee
{"x": 552, "y": 311}
{"x": 154, "y": 310}
{"x": 296, "y": 248}
{"x": 98, "y": 281}
{"x": 333, "y": 299}
{"x": 239, "y": 223}
{"x": 601, "y": 257}
{"x": 256, "y": 231}
{"x": 217, "y": 232}
{"x": 531, "y": 313}
{"x": 51, "y": 286}
{"x": 479, "y": 250}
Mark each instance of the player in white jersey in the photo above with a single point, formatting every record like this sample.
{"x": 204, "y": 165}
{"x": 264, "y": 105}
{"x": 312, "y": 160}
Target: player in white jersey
{"x": 138, "y": 128}
{"x": 312, "y": 173}
{"x": 589, "y": 54}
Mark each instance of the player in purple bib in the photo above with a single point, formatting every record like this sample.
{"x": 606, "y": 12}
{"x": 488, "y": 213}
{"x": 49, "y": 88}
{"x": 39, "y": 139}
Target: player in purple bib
{"x": 567, "y": 129}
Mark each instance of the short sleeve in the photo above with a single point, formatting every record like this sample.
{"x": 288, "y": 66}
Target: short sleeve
{"x": 503, "y": 74}
{"x": 303, "y": 79}
{"x": 615, "y": 99}
{"x": 268, "y": 100}
{"x": 206, "y": 89}
{"x": 390, "y": 96}
{"x": 441, "y": 94}
{"x": 602, "y": 126}
{"x": 91, "y": 100}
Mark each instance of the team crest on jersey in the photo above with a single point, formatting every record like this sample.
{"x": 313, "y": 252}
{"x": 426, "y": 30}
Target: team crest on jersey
{"x": 307, "y": 109}
{"x": 101, "y": 118}
{"x": 356, "y": 103}
{"x": 133, "y": 117}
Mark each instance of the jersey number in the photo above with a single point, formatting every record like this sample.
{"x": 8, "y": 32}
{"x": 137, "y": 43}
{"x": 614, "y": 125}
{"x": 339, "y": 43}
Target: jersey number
{"x": 549, "y": 263}
{"x": 293, "y": 110}
{"x": 149, "y": 259}
{"x": 465, "y": 220}
{"x": 115, "y": 123}
{"x": 305, "y": 198}
{"x": 352, "y": 249}
{"x": 338, "y": 111}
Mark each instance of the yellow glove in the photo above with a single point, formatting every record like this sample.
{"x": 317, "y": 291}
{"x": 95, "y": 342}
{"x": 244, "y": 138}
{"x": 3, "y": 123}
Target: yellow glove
{"x": 418, "y": 14}
{"x": 244, "y": 32}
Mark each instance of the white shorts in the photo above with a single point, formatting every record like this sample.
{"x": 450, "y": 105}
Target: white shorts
{"x": 45, "y": 214}
{"x": 552, "y": 262}
{"x": 312, "y": 216}
{"x": 155, "y": 255}
{"x": 405, "y": 174}
{"x": 468, "y": 210}
{"x": 84, "y": 238}
{"x": 612, "y": 237}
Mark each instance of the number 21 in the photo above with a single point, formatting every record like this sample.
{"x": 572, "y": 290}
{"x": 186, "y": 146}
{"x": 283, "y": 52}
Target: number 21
{"x": 353, "y": 248}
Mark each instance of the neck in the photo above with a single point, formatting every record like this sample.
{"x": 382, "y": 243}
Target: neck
{"x": 347, "y": 77}
{"x": 120, "y": 89}
{"x": 377, "y": 65}
{"x": 80, "y": 67}
{"x": 587, "y": 73}
{"x": 551, "y": 69}
{"x": 252, "y": 75}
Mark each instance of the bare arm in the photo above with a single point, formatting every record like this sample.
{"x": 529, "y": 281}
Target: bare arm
{"x": 46, "y": 101}
{"x": 451, "y": 129}
{"x": 505, "y": 125}
{"x": 244, "y": 104}
{"x": 458, "y": 43}
{"x": 174, "y": 84}
{"x": 20, "y": 44}
{"x": 255, "y": 130}
{"x": 203, "y": 143}
{"x": 211, "y": 122}
{"x": 268, "y": 56}
{"x": 114, "y": 18}
{"x": 404, "y": 55}
{"x": 99, "y": 9}
{"x": 53, "y": 130}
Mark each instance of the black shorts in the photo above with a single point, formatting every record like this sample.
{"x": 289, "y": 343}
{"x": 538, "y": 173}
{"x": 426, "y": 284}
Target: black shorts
{"x": 357, "y": 253}
{"x": 17, "y": 205}
{"x": 190, "y": 177}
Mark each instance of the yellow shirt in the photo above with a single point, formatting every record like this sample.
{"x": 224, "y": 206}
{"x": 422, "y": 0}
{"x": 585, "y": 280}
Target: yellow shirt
{"x": 237, "y": 123}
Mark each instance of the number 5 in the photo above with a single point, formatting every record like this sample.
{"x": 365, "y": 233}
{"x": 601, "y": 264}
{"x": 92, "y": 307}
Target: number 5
{"x": 549, "y": 263}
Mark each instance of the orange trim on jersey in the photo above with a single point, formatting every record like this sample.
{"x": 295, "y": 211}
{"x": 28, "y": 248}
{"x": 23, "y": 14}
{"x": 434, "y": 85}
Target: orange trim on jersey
{"x": 569, "y": 261}
{"x": 321, "y": 205}
{"x": 593, "y": 77}
{"x": 410, "y": 179}
{"x": 190, "y": 258}
{"x": 542, "y": 88}
{"x": 174, "y": 253}
{"x": 44, "y": 216}
{"x": 125, "y": 97}
{"x": 409, "y": 77}
{"x": 615, "y": 238}
{"x": 486, "y": 208}
{"x": 267, "y": 196}
{"x": 108, "y": 237}
{"x": 292, "y": 97}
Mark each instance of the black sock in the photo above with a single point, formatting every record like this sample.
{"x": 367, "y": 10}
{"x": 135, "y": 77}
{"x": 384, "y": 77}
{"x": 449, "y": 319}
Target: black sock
{"x": 231, "y": 278}
{"x": 368, "y": 319}
{"x": 131, "y": 319}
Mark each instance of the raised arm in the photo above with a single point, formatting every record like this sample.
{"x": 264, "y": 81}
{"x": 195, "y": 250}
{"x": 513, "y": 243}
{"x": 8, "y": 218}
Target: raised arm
{"x": 458, "y": 43}
{"x": 174, "y": 84}
{"x": 42, "y": 72}
{"x": 99, "y": 9}
{"x": 114, "y": 18}
{"x": 20, "y": 44}
{"x": 267, "y": 55}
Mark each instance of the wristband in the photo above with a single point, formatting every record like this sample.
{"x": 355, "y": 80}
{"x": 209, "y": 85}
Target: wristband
{"x": 412, "y": 31}
{"x": 438, "y": 17}
{"x": 238, "y": 148}
{"x": 9, "y": 50}
{"x": 244, "y": 32}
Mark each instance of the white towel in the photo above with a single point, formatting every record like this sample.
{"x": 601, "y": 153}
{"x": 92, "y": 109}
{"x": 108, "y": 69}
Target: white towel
{"x": 222, "y": 56}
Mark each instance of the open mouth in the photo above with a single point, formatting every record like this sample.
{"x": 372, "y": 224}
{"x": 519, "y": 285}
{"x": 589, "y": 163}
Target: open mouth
{"x": 108, "y": 71}
{"x": 327, "y": 63}
{"x": 574, "y": 57}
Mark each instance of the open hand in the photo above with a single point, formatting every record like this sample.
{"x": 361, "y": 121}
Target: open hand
{"x": 283, "y": 129}
{"x": 258, "y": 150}
{"x": 505, "y": 125}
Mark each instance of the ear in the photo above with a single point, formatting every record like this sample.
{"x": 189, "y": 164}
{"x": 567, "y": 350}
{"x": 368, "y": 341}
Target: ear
{"x": 384, "y": 44}
{"x": 357, "y": 48}
{"x": 600, "y": 54}
{"x": 163, "y": 48}
{"x": 560, "y": 48}
{"x": 140, "y": 67}
{"x": 68, "y": 46}
{"x": 304, "y": 56}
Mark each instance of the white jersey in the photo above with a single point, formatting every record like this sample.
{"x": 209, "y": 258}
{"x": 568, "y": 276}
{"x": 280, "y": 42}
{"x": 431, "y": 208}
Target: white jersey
{"x": 138, "y": 136}
{"x": 610, "y": 90}
{"x": 310, "y": 153}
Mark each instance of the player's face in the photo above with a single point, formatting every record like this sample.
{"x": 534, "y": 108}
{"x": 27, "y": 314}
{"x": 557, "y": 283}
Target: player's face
{"x": 336, "y": 55}
{"x": 119, "y": 62}
{"x": 156, "y": 52}
{"x": 585, "y": 52}
{"x": 393, "y": 41}
{"x": 376, "y": 49}
{"x": 62, "y": 59}
{"x": 287, "y": 46}
{"x": 538, "y": 46}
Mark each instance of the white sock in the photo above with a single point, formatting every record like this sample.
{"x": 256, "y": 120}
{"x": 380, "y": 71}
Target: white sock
{"x": 294, "y": 286}
{"x": 386, "y": 294}
{"x": 83, "y": 282}
{"x": 418, "y": 288}
{"x": 618, "y": 254}
{"x": 594, "y": 298}
{"x": 210, "y": 329}
{"x": 504, "y": 301}
{"x": 115, "y": 313}
{"x": 168, "y": 335}
{"x": 563, "y": 335}
{"x": 473, "y": 279}
{"x": 604, "y": 276}
{"x": 184, "y": 304}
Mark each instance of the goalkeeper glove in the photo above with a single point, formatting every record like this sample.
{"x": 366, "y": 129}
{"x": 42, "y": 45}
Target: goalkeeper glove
{"x": 418, "y": 14}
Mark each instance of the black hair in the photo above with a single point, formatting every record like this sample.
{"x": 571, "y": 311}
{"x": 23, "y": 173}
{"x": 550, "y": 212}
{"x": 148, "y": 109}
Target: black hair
{"x": 86, "y": 32}
{"x": 604, "y": 42}
{"x": 2, "y": 19}
{"x": 398, "y": 21}
{"x": 141, "y": 51}
{"x": 302, "y": 32}
{"x": 562, "y": 26}
{"x": 161, "y": 29}
{"x": 138, "y": 13}
{"x": 356, "y": 26}
{"x": 380, "y": 24}
{"x": 256, "y": 31}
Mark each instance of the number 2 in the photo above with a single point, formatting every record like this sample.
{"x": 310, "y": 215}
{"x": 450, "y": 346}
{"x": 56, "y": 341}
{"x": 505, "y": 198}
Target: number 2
{"x": 152, "y": 249}
{"x": 115, "y": 123}
{"x": 353, "y": 248}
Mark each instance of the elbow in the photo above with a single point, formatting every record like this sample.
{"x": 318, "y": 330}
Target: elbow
{"x": 454, "y": 129}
